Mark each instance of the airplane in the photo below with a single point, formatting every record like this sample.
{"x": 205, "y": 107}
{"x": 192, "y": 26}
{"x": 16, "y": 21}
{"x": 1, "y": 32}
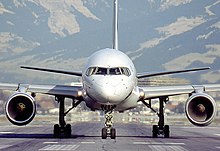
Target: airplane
{"x": 109, "y": 83}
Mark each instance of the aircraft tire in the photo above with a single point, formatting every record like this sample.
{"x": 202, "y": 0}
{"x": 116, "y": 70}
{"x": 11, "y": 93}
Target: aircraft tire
{"x": 104, "y": 133}
{"x": 113, "y": 133}
{"x": 155, "y": 131}
{"x": 56, "y": 131}
{"x": 68, "y": 131}
{"x": 166, "y": 131}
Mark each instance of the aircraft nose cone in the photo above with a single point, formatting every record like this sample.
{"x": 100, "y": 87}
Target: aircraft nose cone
{"x": 108, "y": 94}
{"x": 109, "y": 90}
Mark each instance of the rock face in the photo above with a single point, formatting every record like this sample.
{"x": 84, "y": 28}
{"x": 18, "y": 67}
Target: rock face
{"x": 157, "y": 35}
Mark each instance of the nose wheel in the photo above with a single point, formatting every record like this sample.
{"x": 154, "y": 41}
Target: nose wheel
{"x": 108, "y": 130}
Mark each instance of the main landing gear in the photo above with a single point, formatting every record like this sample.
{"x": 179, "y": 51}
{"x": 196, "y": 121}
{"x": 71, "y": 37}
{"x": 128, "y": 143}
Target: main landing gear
{"x": 108, "y": 130}
{"x": 62, "y": 129}
{"x": 159, "y": 129}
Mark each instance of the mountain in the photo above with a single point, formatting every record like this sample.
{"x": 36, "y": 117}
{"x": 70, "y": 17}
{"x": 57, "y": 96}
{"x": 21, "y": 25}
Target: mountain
{"x": 157, "y": 35}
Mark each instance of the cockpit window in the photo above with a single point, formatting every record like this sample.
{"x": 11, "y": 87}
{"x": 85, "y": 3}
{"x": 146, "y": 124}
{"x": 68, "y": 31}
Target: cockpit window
{"x": 90, "y": 71}
{"x": 125, "y": 71}
{"x": 101, "y": 71}
{"x": 108, "y": 71}
{"x": 96, "y": 71}
{"x": 115, "y": 71}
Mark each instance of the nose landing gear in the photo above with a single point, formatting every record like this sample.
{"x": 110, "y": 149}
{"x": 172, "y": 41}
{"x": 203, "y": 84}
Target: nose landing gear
{"x": 108, "y": 130}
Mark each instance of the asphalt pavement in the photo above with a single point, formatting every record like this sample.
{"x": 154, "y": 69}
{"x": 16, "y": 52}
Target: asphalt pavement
{"x": 131, "y": 136}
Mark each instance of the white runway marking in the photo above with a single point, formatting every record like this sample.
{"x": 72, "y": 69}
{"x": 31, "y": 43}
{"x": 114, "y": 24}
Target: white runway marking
{"x": 174, "y": 143}
{"x": 60, "y": 147}
{"x": 217, "y": 147}
{"x": 217, "y": 134}
{"x": 4, "y": 146}
{"x": 188, "y": 127}
{"x": 140, "y": 143}
{"x": 87, "y": 142}
{"x": 166, "y": 148}
{"x": 6, "y": 132}
{"x": 157, "y": 143}
{"x": 50, "y": 142}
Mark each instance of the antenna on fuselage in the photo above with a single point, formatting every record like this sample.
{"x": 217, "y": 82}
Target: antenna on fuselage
{"x": 115, "y": 25}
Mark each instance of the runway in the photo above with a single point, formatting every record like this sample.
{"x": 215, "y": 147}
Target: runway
{"x": 86, "y": 136}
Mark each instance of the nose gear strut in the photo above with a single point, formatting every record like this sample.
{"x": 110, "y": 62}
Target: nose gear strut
{"x": 108, "y": 130}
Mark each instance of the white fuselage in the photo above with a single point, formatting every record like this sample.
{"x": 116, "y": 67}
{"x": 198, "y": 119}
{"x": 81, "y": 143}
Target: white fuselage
{"x": 109, "y": 78}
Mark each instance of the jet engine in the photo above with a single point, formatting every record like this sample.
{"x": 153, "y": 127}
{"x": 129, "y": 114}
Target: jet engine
{"x": 200, "y": 109}
{"x": 20, "y": 108}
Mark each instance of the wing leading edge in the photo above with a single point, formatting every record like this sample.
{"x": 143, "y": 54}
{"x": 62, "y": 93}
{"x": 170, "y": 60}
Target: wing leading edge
{"x": 145, "y": 75}
{"x": 161, "y": 91}
{"x": 75, "y": 73}
{"x": 56, "y": 90}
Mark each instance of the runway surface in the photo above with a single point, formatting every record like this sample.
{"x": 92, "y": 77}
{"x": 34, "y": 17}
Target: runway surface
{"x": 130, "y": 137}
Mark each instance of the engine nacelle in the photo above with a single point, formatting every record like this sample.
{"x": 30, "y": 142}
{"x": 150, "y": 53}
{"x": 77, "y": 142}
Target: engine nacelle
{"x": 20, "y": 108}
{"x": 200, "y": 109}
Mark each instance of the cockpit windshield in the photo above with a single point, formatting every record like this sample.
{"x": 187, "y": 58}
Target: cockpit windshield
{"x": 101, "y": 71}
{"x": 108, "y": 71}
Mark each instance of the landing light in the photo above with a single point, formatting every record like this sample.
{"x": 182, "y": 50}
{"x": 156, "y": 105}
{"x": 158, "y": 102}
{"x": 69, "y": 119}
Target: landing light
{"x": 142, "y": 94}
{"x": 80, "y": 93}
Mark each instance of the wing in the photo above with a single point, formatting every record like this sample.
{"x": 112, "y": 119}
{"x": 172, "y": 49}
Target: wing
{"x": 20, "y": 108}
{"x": 200, "y": 108}
{"x": 160, "y": 91}
{"x": 76, "y": 73}
{"x": 64, "y": 90}
{"x": 145, "y": 75}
